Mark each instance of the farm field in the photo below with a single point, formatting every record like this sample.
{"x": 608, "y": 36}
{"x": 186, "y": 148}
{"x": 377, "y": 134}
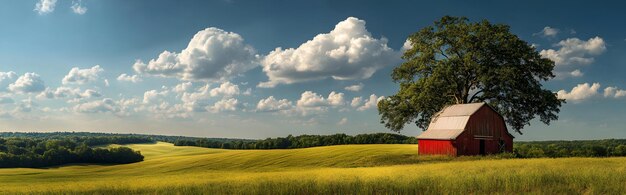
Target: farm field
{"x": 347, "y": 169}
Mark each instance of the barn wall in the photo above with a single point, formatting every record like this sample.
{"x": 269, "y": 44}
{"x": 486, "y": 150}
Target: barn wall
{"x": 484, "y": 124}
{"x": 436, "y": 147}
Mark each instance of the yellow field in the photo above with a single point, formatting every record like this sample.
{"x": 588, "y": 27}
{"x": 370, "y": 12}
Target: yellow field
{"x": 349, "y": 169}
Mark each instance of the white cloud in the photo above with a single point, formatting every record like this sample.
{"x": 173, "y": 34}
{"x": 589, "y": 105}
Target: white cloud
{"x": 90, "y": 93}
{"x": 372, "y": 102}
{"x": 28, "y": 83}
{"x": 193, "y": 101}
{"x": 335, "y": 99}
{"x": 580, "y": 92}
{"x": 224, "y": 105}
{"x": 247, "y": 91}
{"x": 225, "y": 89}
{"x": 355, "y": 88}
{"x": 7, "y": 75}
{"x": 574, "y": 52}
{"x": 566, "y": 74}
{"x": 153, "y": 96}
{"x": 311, "y": 99}
{"x": 124, "y": 77}
{"x": 576, "y": 73}
{"x": 407, "y": 45}
{"x": 343, "y": 121}
{"x": 614, "y": 92}
{"x": 98, "y": 106}
{"x": 78, "y": 8}
{"x": 348, "y": 52}
{"x": 311, "y": 102}
{"x": 67, "y": 92}
{"x": 183, "y": 87}
{"x": 212, "y": 55}
{"x": 82, "y": 76}
{"x": 6, "y": 78}
{"x": 270, "y": 104}
{"x": 548, "y": 32}
{"x": 356, "y": 102}
{"x": 45, "y": 6}
{"x": 106, "y": 82}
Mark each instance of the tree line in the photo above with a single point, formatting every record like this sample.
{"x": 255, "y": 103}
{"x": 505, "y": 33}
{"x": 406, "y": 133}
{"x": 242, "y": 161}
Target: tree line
{"x": 43, "y": 152}
{"x": 301, "y": 141}
{"x": 582, "y": 148}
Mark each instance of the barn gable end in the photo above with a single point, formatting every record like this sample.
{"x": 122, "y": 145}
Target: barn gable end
{"x": 466, "y": 129}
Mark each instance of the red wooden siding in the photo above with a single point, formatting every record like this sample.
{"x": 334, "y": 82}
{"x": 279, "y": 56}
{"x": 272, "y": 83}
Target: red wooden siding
{"x": 484, "y": 124}
{"x": 436, "y": 147}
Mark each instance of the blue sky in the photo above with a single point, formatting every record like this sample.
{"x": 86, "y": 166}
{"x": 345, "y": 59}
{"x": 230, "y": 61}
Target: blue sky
{"x": 256, "y": 69}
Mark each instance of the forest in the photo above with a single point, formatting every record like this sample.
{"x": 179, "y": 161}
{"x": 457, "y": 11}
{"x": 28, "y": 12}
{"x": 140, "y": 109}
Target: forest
{"x": 43, "y": 151}
{"x": 301, "y": 141}
{"x": 578, "y": 148}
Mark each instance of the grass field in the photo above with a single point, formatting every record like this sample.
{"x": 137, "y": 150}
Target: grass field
{"x": 349, "y": 169}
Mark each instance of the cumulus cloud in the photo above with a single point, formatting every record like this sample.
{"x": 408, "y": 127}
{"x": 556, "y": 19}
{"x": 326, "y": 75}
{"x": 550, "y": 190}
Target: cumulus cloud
{"x": 193, "y": 101}
{"x": 6, "y": 78}
{"x": 614, "y": 92}
{"x": 98, "y": 106}
{"x": 225, "y": 89}
{"x": 348, "y": 52}
{"x": 82, "y": 76}
{"x": 356, "y": 102}
{"x": 372, "y": 102}
{"x": 548, "y": 32}
{"x": 128, "y": 78}
{"x": 335, "y": 99}
{"x": 355, "y": 88}
{"x": 311, "y": 102}
{"x": 28, "y": 83}
{"x": 67, "y": 92}
{"x": 574, "y": 52}
{"x": 154, "y": 96}
{"x": 271, "y": 104}
{"x": 576, "y": 73}
{"x": 78, "y": 8}
{"x": 45, "y": 6}
{"x": 407, "y": 45}
{"x": 230, "y": 104}
{"x": 311, "y": 99}
{"x": 212, "y": 55}
{"x": 183, "y": 87}
{"x": 580, "y": 92}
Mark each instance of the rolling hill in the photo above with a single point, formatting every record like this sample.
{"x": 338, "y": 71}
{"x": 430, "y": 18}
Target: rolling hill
{"x": 368, "y": 169}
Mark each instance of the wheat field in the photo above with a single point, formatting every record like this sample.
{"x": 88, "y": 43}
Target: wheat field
{"x": 347, "y": 169}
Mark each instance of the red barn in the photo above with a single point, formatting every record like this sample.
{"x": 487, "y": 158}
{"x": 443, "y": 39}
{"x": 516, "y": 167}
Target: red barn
{"x": 466, "y": 129}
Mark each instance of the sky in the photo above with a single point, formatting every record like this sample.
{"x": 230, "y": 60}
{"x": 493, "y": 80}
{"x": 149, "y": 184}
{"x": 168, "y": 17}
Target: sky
{"x": 257, "y": 69}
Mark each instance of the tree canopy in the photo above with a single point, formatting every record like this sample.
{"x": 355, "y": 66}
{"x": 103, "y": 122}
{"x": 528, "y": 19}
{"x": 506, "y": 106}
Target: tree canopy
{"x": 456, "y": 61}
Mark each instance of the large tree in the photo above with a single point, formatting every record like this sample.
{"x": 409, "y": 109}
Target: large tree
{"x": 456, "y": 61}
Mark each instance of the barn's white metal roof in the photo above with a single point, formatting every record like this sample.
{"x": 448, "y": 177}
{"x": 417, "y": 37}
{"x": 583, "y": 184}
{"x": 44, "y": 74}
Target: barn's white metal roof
{"x": 461, "y": 109}
{"x": 450, "y": 122}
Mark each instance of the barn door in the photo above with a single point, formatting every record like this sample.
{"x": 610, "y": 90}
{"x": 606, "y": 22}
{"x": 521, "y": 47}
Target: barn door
{"x": 481, "y": 146}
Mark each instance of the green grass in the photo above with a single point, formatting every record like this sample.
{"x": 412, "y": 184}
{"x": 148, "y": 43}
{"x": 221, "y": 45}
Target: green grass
{"x": 349, "y": 169}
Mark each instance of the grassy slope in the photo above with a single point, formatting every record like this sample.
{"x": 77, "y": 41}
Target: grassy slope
{"x": 334, "y": 169}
